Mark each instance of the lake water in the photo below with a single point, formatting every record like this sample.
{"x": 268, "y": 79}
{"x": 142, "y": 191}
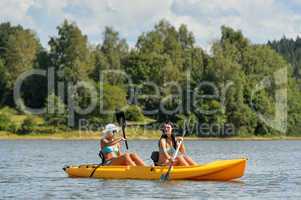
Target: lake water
{"x": 32, "y": 169}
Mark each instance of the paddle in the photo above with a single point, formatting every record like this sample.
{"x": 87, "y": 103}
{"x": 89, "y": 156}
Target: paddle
{"x": 100, "y": 164}
{"x": 120, "y": 117}
{"x": 165, "y": 177}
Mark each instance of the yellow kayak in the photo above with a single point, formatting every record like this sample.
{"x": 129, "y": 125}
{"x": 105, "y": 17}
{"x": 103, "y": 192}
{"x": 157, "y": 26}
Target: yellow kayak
{"x": 221, "y": 170}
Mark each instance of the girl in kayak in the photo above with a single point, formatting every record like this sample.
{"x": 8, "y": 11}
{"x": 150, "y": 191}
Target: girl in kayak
{"x": 110, "y": 148}
{"x": 167, "y": 147}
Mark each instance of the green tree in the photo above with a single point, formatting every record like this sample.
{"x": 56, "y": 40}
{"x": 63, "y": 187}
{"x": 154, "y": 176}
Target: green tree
{"x": 151, "y": 67}
{"x": 70, "y": 53}
{"x": 21, "y": 53}
{"x": 114, "y": 48}
{"x": 3, "y": 82}
{"x": 101, "y": 64}
{"x": 18, "y": 51}
{"x": 111, "y": 98}
{"x": 111, "y": 55}
{"x": 290, "y": 49}
{"x": 186, "y": 37}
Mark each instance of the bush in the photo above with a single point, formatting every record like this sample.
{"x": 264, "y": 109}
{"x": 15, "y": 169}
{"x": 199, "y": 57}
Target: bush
{"x": 4, "y": 122}
{"x": 9, "y": 111}
{"x": 47, "y": 129}
{"x": 134, "y": 113}
{"x": 13, "y": 128}
{"x": 27, "y": 126}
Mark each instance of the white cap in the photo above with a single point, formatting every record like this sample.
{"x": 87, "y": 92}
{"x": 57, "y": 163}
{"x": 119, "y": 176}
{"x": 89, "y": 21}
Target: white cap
{"x": 109, "y": 128}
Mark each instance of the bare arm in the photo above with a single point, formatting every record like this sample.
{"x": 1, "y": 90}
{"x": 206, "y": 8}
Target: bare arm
{"x": 119, "y": 150}
{"x": 182, "y": 147}
{"x": 106, "y": 142}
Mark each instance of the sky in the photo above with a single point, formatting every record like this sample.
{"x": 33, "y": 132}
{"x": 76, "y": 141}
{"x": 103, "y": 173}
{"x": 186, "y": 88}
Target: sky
{"x": 259, "y": 20}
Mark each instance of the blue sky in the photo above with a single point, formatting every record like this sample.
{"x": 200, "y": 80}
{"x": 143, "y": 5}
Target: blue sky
{"x": 259, "y": 20}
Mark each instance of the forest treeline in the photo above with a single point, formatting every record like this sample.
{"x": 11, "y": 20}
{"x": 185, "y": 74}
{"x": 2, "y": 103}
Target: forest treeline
{"x": 290, "y": 49}
{"x": 163, "y": 55}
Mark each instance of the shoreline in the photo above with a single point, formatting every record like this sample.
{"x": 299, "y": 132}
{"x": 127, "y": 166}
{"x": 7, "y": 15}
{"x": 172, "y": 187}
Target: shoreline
{"x": 96, "y": 136}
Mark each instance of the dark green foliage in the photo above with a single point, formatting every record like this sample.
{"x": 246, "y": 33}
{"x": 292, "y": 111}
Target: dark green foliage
{"x": 69, "y": 53}
{"x": 134, "y": 113}
{"x": 3, "y": 82}
{"x": 290, "y": 49}
{"x": 27, "y": 126}
{"x": 112, "y": 97}
{"x": 19, "y": 48}
{"x": 114, "y": 48}
{"x": 110, "y": 55}
{"x": 162, "y": 56}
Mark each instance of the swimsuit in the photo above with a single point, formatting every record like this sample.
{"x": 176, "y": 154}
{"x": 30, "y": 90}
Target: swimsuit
{"x": 170, "y": 150}
{"x": 111, "y": 149}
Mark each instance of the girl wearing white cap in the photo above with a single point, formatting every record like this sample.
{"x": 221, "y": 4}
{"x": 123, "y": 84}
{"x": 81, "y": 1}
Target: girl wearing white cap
{"x": 110, "y": 147}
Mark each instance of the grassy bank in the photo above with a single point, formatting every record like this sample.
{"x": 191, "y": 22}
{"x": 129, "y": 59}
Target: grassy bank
{"x": 132, "y": 134}
{"x": 40, "y": 130}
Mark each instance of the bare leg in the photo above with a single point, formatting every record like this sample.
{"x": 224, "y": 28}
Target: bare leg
{"x": 123, "y": 160}
{"x": 189, "y": 160}
{"x": 128, "y": 160}
{"x": 180, "y": 161}
{"x": 138, "y": 161}
{"x": 117, "y": 161}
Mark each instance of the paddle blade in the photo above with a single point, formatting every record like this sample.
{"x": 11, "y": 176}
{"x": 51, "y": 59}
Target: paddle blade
{"x": 120, "y": 117}
{"x": 164, "y": 177}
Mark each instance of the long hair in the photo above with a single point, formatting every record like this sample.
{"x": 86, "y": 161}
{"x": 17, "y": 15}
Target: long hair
{"x": 164, "y": 136}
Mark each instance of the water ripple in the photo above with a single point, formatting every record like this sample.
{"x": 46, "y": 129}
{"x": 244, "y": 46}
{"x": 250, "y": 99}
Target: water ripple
{"x": 36, "y": 172}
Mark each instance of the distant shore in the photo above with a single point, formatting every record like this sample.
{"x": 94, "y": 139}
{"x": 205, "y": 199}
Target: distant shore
{"x": 76, "y": 135}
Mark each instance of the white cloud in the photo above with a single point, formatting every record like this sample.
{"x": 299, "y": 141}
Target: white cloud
{"x": 15, "y": 11}
{"x": 259, "y": 20}
{"x": 128, "y": 17}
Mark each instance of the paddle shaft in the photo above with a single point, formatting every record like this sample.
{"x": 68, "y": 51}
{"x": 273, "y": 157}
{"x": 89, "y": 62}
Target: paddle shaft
{"x": 95, "y": 170}
{"x": 124, "y": 136}
{"x": 120, "y": 117}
